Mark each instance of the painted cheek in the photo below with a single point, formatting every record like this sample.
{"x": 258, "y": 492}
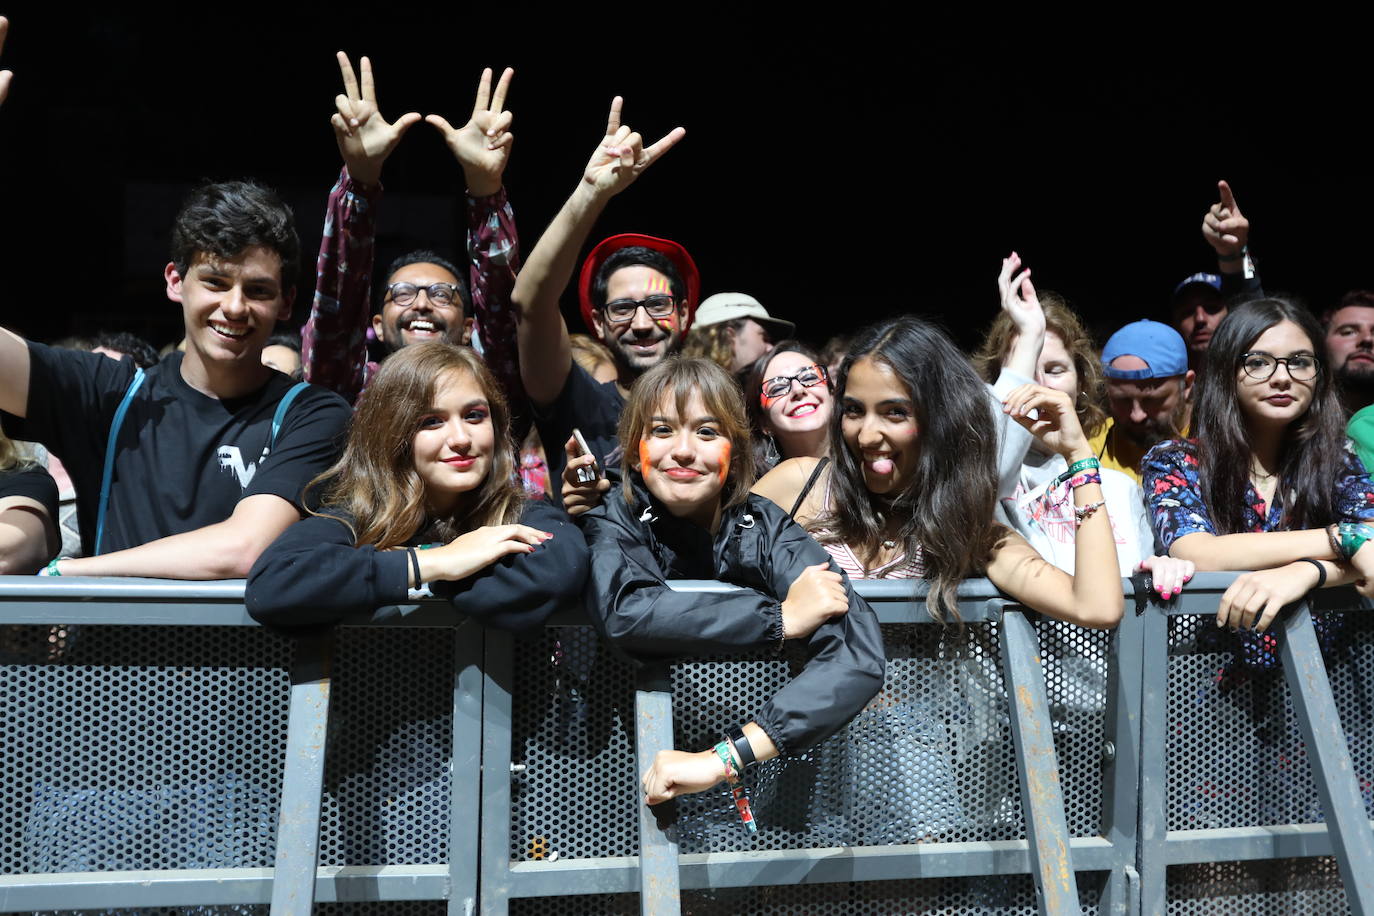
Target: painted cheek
{"x": 643, "y": 456}
{"x": 668, "y": 324}
{"x": 724, "y": 462}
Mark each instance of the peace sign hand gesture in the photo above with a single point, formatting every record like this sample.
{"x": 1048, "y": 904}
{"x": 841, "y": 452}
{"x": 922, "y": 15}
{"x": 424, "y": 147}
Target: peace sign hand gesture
{"x": 621, "y": 157}
{"x": 365, "y": 138}
{"x": 1224, "y": 227}
{"x": 482, "y": 145}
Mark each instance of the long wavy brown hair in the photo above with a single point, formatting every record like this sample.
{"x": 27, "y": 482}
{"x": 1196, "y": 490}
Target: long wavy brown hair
{"x": 1063, "y": 321}
{"x": 374, "y": 487}
{"x": 946, "y": 509}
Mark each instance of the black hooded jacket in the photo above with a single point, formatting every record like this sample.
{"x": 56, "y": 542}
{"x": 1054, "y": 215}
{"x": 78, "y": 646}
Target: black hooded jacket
{"x": 635, "y": 550}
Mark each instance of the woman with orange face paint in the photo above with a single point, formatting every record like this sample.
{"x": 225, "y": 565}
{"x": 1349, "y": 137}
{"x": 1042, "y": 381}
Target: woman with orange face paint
{"x": 685, "y": 512}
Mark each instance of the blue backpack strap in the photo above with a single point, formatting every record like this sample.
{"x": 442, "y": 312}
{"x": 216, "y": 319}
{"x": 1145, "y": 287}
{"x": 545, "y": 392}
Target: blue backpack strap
{"x": 108, "y": 471}
{"x": 282, "y": 408}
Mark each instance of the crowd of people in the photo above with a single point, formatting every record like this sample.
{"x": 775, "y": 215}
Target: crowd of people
{"x": 443, "y": 431}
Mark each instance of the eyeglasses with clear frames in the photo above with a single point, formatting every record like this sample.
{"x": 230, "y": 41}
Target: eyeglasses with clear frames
{"x": 623, "y": 310}
{"x": 442, "y": 295}
{"x": 779, "y": 386}
{"x": 1260, "y": 365}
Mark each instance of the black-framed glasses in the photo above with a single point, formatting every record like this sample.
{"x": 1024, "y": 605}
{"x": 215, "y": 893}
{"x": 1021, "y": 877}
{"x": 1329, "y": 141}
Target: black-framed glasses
{"x": 780, "y": 385}
{"x": 440, "y": 294}
{"x": 1260, "y": 365}
{"x": 620, "y": 311}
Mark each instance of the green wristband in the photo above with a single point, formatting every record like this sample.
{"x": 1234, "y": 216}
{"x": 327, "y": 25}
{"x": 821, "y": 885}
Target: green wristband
{"x": 1081, "y": 464}
{"x": 1353, "y": 537}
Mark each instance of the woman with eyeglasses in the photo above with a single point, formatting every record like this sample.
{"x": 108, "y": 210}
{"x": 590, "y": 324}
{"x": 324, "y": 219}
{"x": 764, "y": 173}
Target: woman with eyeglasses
{"x": 789, "y": 401}
{"x": 1269, "y": 483}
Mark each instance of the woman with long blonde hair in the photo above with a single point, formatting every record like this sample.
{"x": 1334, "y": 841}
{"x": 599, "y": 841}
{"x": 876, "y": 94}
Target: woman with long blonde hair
{"x": 424, "y": 492}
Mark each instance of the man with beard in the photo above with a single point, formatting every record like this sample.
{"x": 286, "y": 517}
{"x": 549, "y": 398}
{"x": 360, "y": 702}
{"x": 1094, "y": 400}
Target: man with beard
{"x": 1350, "y": 348}
{"x": 638, "y": 294}
{"x": 425, "y": 297}
{"x": 1149, "y": 391}
{"x": 1201, "y": 300}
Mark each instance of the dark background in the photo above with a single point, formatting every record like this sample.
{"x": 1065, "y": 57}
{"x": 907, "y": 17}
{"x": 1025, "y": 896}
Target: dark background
{"x": 837, "y": 172}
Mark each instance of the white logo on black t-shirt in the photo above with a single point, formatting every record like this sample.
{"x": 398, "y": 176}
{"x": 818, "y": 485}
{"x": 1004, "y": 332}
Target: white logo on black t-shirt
{"x": 231, "y": 460}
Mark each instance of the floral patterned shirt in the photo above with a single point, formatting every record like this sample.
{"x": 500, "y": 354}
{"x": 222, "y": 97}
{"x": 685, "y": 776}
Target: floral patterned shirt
{"x": 1170, "y": 480}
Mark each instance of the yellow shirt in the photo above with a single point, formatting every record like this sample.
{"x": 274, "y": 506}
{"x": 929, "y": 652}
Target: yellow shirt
{"x": 1117, "y": 452}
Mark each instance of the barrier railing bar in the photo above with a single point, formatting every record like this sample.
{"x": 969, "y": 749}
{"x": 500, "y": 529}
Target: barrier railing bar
{"x": 1042, "y": 799}
{"x": 1235, "y": 844}
{"x": 465, "y": 769}
{"x": 199, "y": 887}
{"x": 1120, "y": 760}
{"x": 658, "y": 865}
{"x": 823, "y": 865}
{"x": 1332, "y": 769}
{"x": 1153, "y": 788}
{"x": 298, "y": 824}
{"x": 494, "y": 859}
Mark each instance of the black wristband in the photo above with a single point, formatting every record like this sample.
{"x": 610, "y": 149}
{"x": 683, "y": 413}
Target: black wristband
{"x": 743, "y": 750}
{"x": 415, "y": 565}
{"x": 1321, "y": 570}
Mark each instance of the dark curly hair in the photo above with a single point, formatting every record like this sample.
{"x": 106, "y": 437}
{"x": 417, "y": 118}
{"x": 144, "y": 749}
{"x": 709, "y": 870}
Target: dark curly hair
{"x": 224, "y": 218}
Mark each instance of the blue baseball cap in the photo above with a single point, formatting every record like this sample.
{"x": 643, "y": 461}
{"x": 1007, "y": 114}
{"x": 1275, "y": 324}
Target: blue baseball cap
{"x": 1203, "y": 279}
{"x": 1160, "y": 346}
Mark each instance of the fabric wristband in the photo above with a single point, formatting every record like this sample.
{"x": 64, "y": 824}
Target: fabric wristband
{"x": 1082, "y": 464}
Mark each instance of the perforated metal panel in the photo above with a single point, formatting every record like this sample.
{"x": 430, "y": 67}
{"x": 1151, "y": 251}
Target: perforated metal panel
{"x": 930, "y": 760}
{"x": 1280, "y": 887}
{"x": 390, "y": 739}
{"x": 1236, "y": 757}
{"x": 991, "y": 896}
{"x": 141, "y": 748}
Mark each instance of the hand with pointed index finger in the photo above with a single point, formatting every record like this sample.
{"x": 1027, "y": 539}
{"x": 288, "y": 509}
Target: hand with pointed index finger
{"x": 482, "y": 145}
{"x": 364, "y": 137}
{"x": 1225, "y": 228}
{"x": 621, "y": 157}
{"x": 5, "y": 75}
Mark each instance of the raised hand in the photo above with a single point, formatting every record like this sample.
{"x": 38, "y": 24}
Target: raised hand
{"x": 473, "y": 552}
{"x": 482, "y": 145}
{"x": 621, "y": 157}
{"x": 365, "y": 138}
{"x": 1018, "y": 297}
{"x": 1224, "y": 227}
{"x": 1049, "y": 416}
{"x": 5, "y": 75}
{"x": 813, "y": 598}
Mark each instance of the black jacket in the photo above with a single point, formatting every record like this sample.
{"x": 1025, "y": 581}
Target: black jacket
{"x": 636, "y": 550}
{"x": 314, "y": 575}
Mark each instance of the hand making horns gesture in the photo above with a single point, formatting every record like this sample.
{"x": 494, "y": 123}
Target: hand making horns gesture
{"x": 365, "y": 138}
{"x": 620, "y": 158}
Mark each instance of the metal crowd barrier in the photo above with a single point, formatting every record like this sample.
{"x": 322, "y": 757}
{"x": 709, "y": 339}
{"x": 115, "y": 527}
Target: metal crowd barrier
{"x": 162, "y": 750}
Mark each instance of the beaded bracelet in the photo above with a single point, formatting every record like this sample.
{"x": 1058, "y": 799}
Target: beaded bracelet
{"x": 1082, "y": 513}
{"x": 1333, "y": 535}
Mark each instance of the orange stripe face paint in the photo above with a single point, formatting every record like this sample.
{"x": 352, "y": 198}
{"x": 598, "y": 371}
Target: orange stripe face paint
{"x": 724, "y": 460}
{"x": 658, "y": 286}
{"x": 644, "y": 461}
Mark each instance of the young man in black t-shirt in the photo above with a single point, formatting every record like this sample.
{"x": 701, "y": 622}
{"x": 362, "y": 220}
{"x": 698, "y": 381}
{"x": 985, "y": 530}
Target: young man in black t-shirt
{"x": 199, "y": 481}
